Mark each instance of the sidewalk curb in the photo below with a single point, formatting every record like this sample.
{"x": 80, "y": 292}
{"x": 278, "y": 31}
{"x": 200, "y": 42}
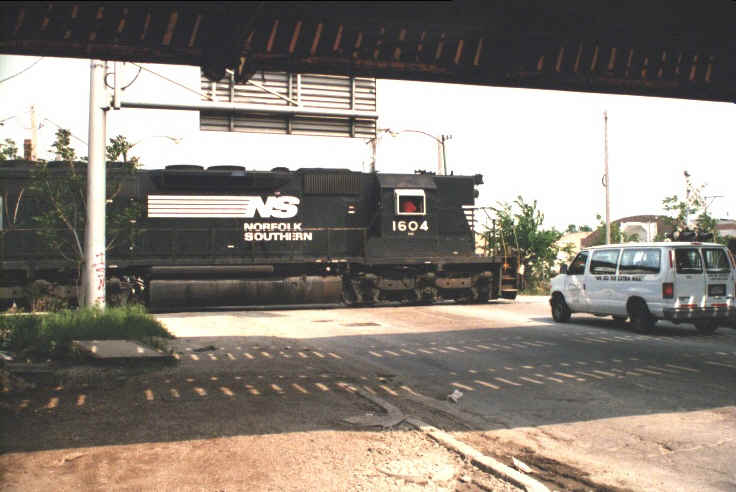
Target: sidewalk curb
{"x": 476, "y": 457}
{"x": 479, "y": 459}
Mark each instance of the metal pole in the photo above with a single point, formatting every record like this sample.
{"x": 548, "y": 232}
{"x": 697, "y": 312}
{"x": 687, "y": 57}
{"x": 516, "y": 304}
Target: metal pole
{"x": 34, "y": 133}
{"x": 445, "y": 138}
{"x": 94, "y": 241}
{"x": 374, "y": 144}
{"x": 607, "y": 184}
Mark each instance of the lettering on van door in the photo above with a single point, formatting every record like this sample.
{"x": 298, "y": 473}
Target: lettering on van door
{"x": 620, "y": 278}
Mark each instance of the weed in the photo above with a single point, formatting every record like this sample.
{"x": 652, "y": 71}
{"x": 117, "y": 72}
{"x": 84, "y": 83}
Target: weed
{"x": 50, "y": 335}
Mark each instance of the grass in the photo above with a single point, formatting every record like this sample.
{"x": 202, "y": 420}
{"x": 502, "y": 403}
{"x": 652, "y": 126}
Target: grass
{"x": 50, "y": 335}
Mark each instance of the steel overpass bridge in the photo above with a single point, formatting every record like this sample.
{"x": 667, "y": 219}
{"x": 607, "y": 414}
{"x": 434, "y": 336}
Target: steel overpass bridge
{"x": 667, "y": 48}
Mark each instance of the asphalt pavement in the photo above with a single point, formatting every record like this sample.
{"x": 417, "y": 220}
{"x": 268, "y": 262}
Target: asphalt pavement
{"x": 586, "y": 405}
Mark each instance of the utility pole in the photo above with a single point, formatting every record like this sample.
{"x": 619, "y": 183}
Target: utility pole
{"x": 34, "y": 133}
{"x": 606, "y": 182}
{"x": 94, "y": 240}
{"x": 443, "y": 140}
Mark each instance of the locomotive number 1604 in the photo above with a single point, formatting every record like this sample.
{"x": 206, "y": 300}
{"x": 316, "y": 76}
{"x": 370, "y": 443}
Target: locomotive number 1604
{"x": 409, "y": 225}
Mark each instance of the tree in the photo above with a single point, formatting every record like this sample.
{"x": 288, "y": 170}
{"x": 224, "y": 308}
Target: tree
{"x": 119, "y": 146}
{"x": 585, "y": 228}
{"x": 681, "y": 211}
{"x": 519, "y": 233}
{"x": 617, "y": 236}
{"x": 60, "y": 194}
{"x": 61, "y": 148}
{"x": 8, "y": 150}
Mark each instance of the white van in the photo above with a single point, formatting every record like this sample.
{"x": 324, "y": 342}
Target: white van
{"x": 689, "y": 282}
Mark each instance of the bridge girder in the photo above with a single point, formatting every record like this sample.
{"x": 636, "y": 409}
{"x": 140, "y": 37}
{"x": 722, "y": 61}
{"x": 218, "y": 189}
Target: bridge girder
{"x": 655, "y": 48}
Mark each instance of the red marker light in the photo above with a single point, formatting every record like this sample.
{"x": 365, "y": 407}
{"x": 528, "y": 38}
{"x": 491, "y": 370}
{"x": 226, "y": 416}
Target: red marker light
{"x": 668, "y": 290}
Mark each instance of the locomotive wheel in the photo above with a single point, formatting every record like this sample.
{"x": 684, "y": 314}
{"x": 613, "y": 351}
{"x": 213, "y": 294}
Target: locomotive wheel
{"x": 349, "y": 296}
{"x": 41, "y": 296}
{"x": 116, "y": 295}
{"x": 483, "y": 295}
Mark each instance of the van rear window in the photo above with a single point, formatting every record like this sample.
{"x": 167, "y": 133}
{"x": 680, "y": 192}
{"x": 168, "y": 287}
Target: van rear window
{"x": 716, "y": 260}
{"x": 640, "y": 261}
{"x": 688, "y": 260}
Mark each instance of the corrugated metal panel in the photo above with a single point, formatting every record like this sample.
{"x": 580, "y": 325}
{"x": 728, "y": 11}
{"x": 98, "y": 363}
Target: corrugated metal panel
{"x": 281, "y": 89}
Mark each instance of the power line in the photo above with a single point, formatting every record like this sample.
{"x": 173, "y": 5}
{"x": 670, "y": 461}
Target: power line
{"x": 62, "y": 128}
{"x": 129, "y": 84}
{"x": 199, "y": 93}
{"x": 22, "y": 71}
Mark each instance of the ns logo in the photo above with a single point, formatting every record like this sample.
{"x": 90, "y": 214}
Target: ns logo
{"x": 279, "y": 207}
{"x": 222, "y": 206}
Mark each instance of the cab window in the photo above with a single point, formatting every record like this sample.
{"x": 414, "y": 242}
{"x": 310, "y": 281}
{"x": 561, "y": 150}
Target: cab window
{"x": 578, "y": 264}
{"x": 410, "y": 202}
{"x": 640, "y": 261}
{"x": 716, "y": 260}
{"x": 688, "y": 260}
{"x": 604, "y": 261}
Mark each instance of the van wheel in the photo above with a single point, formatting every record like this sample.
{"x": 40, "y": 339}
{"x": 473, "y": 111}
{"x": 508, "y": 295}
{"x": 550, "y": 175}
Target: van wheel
{"x": 706, "y": 327}
{"x": 560, "y": 310}
{"x": 641, "y": 319}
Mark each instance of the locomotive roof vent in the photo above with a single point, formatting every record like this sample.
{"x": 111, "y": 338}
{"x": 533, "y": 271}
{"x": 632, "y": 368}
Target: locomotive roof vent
{"x": 184, "y": 167}
{"x": 280, "y": 169}
{"x": 315, "y": 170}
{"x": 226, "y": 168}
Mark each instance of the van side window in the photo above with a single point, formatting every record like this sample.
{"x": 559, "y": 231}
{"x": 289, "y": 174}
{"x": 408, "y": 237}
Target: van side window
{"x": 578, "y": 264}
{"x": 688, "y": 260}
{"x": 640, "y": 261}
{"x": 604, "y": 261}
{"x": 715, "y": 260}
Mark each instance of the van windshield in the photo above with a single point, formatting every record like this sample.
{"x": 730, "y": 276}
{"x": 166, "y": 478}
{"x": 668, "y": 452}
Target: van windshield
{"x": 688, "y": 260}
{"x": 715, "y": 260}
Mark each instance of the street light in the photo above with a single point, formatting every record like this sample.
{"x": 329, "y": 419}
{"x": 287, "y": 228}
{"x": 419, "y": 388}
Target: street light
{"x": 442, "y": 170}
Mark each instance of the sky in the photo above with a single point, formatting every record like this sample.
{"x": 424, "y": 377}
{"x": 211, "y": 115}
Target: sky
{"x": 541, "y": 145}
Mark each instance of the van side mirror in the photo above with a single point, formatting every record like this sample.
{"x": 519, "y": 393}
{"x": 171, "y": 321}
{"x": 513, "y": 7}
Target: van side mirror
{"x": 563, "y": 269}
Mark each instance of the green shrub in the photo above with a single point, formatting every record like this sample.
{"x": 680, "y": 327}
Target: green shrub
{"x": 50, "y": 335}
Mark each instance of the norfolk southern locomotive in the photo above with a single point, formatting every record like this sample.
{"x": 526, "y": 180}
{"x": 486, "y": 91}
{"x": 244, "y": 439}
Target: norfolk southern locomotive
{"x": 227, "y": 236}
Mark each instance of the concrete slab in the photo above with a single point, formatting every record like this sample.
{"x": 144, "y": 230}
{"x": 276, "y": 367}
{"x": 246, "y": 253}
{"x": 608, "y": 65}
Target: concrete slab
{"x": 118, "y": 349}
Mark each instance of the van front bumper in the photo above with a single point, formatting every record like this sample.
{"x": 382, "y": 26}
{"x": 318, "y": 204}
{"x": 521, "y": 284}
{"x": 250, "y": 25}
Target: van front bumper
{"x": 680, "y": 314}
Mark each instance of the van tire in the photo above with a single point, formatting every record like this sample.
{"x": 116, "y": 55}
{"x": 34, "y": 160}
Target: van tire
{"x": 641, "y": 319}
{"x": 706, "y": 327}
{"x": 560, "y": 310}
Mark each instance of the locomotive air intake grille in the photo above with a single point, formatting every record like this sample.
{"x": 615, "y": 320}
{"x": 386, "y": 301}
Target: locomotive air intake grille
{"x": 332, "y": 184}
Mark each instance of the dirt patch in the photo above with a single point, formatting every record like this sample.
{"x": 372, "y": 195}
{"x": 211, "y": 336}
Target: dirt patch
{"x": 121, "y": 428}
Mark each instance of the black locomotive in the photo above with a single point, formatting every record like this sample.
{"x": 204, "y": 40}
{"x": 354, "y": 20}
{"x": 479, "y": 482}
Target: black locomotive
{"x": 227, "y": 236}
